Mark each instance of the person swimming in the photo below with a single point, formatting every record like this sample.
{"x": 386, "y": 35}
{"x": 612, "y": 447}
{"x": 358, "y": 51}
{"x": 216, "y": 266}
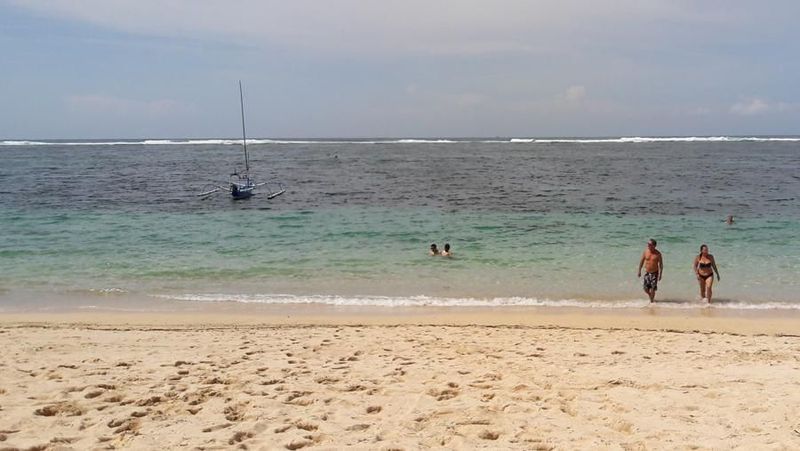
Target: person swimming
{"x": 434, "y": 250}
{"x": 446, "y": 252}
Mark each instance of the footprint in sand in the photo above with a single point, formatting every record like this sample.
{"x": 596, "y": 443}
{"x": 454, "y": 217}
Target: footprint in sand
{"x": 235, "y": 412}
{"x": 151, "y": 401}
{"x": 116, "y": 422}
{"x": 114, "y": 398}
{"x": 297, "y": 444}
{"x": 306, "y": 426}
{"x": 354, "y": 387}
{"x": 62, "y": 409}
{"x": 129, "y": 426}
{"x": 297, "y": 398}
{"x": 489, "y": 435}
{"x": 217, "y": 427}
{"x": 93, "y": 394}
{"x": 443, "y": 395}
{"x": 240, "y": 437}
{"x": 4, "y": 434}
{"x": 63, "y": 440}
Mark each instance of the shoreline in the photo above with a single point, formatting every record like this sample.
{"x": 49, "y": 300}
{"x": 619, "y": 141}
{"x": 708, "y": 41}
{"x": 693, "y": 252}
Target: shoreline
{"x": 224, "y": 315}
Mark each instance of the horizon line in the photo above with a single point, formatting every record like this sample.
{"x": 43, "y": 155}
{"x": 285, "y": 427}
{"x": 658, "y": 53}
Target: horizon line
{"x": 408, "y": 137}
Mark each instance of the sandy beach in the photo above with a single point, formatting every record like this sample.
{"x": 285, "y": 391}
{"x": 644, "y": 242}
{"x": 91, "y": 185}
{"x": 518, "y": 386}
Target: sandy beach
{"x": 551, "y": 381}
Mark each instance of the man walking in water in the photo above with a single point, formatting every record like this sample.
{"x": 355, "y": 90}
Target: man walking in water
{"x": 654, "y": 267}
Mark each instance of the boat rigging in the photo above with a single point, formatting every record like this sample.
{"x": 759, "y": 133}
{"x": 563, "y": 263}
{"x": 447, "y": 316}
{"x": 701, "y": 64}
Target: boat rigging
{"x": 241, "y": 184}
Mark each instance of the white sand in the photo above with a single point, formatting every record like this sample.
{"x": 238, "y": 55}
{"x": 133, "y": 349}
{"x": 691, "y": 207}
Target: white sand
{"x": 324, "y": 386}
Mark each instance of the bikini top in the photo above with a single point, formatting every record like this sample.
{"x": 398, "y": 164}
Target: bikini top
{"x": 706, "y": 265}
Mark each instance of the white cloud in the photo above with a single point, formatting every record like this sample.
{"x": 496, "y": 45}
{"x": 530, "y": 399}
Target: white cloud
{"x": 699, "y": 111}
{"x": 460, "y": 27}
{"x": 469, "y": 100}
{"x": 571, "y": 65}
{"x": 575, "y": 94}
{"x": 750, "y": 107}
{"x": 758, "y": 106}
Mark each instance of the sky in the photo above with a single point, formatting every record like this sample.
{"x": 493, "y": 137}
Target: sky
{"x": 97, "y": 69}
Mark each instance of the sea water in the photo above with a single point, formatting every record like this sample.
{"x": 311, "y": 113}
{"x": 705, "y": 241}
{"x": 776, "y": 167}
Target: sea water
{"x": 531, "y": 221}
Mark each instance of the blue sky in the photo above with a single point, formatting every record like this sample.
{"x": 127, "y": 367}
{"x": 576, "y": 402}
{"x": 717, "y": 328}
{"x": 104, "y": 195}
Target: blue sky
{"x": 365, "y": 68}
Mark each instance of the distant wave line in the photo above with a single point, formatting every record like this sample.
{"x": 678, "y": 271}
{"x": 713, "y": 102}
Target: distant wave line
{"x": 227, "y": 142}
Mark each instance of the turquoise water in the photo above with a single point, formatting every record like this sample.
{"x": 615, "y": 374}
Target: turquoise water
{"x": 363, "y": 252}
{"x": 531, "y": 223}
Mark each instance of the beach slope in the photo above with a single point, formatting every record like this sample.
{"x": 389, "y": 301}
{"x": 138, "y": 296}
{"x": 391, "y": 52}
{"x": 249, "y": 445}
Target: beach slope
{"x": 393, "y": 386}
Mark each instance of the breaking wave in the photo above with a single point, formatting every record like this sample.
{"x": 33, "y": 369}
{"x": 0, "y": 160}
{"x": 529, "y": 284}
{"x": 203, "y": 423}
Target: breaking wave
{"x": 225, "y": 142}
{"x": 431, "y": 301}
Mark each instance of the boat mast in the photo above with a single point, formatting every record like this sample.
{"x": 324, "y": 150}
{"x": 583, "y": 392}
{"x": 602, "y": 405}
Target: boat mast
{"x": 244, "y": 135}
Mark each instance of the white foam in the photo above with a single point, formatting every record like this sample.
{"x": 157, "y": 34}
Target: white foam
{"x": 76, "y": 143}
{"x": 621, "y": 140}
{"x": 644, "y": 140}
{"x": 432, "y": 301}
{"x": 104, "y": 291}
{"x": 390, "y": 301}
{"x": 425, "y": 141}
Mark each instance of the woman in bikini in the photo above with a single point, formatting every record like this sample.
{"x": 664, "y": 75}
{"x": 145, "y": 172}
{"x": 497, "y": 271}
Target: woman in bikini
{"x": 705, "y": 267}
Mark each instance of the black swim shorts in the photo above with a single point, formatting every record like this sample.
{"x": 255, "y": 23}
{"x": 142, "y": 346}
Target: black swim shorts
{"x": 650, "y": 281}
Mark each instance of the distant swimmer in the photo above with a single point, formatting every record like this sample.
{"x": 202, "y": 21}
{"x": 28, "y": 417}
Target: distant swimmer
{"x": 446, "y": 252}
{"x": 729, "y": 220}
{"x": 653, "y": 264}
{"x": 705, "y": 267}
{"x": 434, "y": 250}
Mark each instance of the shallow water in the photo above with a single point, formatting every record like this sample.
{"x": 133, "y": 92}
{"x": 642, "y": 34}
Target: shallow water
{"x": 531, "y": 223}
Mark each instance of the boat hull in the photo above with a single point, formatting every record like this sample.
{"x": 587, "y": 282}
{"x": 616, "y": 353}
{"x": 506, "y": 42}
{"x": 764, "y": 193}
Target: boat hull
{"x": 242, "y": 195}
{"x": 242, "y": 192}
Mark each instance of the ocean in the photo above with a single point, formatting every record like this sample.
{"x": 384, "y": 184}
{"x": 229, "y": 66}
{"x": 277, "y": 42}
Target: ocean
{"x": 532, "y": 222}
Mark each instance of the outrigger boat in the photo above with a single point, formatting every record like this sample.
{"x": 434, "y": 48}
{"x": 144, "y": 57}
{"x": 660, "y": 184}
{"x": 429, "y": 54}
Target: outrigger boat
{"x": 241, "y": 185}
